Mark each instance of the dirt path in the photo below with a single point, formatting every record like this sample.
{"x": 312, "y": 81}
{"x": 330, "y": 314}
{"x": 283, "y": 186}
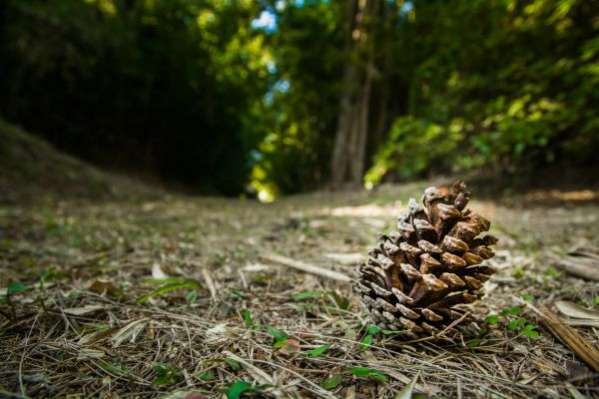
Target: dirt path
{"x": 100, "y": 325}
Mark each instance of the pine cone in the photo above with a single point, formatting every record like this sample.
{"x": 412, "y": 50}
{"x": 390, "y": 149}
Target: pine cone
{"x": 416, "y": 278}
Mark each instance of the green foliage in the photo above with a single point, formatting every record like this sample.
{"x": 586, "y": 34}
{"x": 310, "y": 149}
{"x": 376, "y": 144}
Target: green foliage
{"x": 238, "y": 388}
{"x": 319, "y": 351}
{"x": 167, "y": 80}
{"x": 280, "y": 336}
{"x": 414, "y": 145}
{"x": 166, "y": 374}
{"x": 366, "y": 372}
{"x": 170, "y": 286}
{"x": 16, "y": 287}
{"x": 247, "y": 318}
{"x": 303, "y": 295}
{"x": 513, "y": 321}
{"x": 233, "y": 364}
{"x": 332, "y": 382}
{"x": 206, "y": 376}
{"x": 202, "y": 97}
{"x": 516, "y": 89}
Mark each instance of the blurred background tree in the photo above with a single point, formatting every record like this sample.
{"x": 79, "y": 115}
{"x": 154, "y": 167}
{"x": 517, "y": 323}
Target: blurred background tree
{"x": 283, "y": 96}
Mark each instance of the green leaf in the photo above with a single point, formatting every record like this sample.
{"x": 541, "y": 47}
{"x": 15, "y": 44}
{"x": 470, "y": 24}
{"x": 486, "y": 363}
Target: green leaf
{"x": 530, "y": 331}
{"x": 206, "y": 376}
{"x": 233, "y": 364}
{"x": 300, "y": 296}
{"x": 15, "y": 288}
{"x": 596, "y": 300}
{"x": 514, "y": 310}
{"x": 552, "y": 273}
{"x": 170, "y": 287}
{"x": 332, "y": 382}
{"x": 113, "y": 368}
{"x": 247, "y": 318}
{"x": 492, "y": 319}
{"x": 236, "y": 294}
{"x": 391, "y": 332}
{"x": 237, "y": 388}
{"x": 373, "y": 330}
{"x": 473, "y": 343}
{"x": 279, "y": 336}
{"x": 319, "y": 351}
{"x": 167, "y": 374}
{"x": 369, "y": 373}
{"x": 518, "y": 272}
{"x": 516, "y": 324}
{"x": 528, "y": 297}
{"x": 192, "y": 297}
{"x": 276, "y": 333}
{"x": 366, "y": 342}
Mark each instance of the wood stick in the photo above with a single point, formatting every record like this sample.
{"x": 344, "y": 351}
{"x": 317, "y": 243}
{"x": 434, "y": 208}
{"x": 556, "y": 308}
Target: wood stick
{"x": 209, "y": 282}
{"x": 306, "y": 267}
{"x": 570, "y": 337}
{"x": 578, "y": 266}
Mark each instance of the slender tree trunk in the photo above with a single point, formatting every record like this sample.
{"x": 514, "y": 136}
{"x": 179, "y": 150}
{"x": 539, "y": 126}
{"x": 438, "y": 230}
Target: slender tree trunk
{"x": 349, "y": 152}
{"x": 362, "y": 116}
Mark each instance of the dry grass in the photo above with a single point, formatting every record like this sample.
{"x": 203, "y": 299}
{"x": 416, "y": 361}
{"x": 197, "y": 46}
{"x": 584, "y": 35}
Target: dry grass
{"x": 86, "y": 334}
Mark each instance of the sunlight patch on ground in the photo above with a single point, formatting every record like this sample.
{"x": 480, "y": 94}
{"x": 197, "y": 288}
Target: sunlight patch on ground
{"x": 365, "y": 211}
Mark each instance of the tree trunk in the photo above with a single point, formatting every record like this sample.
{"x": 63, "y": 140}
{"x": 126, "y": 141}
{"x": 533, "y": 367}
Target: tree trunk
{"x": 349, "y": 152}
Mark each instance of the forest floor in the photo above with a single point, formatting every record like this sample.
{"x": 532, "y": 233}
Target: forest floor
{"x": 171, "y": 296}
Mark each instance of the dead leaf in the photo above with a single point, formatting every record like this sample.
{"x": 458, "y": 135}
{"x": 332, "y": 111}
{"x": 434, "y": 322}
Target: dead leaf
{"x": 157, "y": 272}
{"x": 87, "y": 353}
{"x": 216, "y": 334}
{"x": 129, "y": 332}
{"x": 573, "y": 310}
{"x": 105, "y": 287}
{"x": 290, "y": 347}
{"x": 84, "y": 310}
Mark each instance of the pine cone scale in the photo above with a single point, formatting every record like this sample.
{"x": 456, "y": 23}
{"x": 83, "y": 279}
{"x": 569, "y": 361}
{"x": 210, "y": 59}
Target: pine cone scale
{"x": 417, "y": 278}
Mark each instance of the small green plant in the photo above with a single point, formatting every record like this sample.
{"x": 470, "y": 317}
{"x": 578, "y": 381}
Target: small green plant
{"x": 332, "y": 382}
{"x": 528, "y": 297}
{"x": 239, "y": 387}
{"x": 518, "y": 272}
{"x": 280, "y": 337}
{"x": 303, "y": 295}
{"x": 368, "y": 339}
{"x": 247, "y": 318}
{"x": 319, "y": 351}
{"x": 365, "y": 372}
{"x": 513, "y": 321}
{"x": 168, "y": 286}
{"x": 166, "y": 374}
{"x": 206, "y": 376}
{"x": 552, "y": 273}
{"x": 233, "y": 364}
{"x": 236, "y": 294}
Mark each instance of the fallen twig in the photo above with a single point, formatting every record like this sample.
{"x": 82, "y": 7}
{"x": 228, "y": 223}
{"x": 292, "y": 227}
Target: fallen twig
{"x": 306, "y": 267}
{"x": 209, "y": 283}
{"x": 581, "y": 264}
{"x": 569, "y": 336}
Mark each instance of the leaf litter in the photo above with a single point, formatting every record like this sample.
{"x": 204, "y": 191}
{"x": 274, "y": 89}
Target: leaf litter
{"x": 157, "y": 299}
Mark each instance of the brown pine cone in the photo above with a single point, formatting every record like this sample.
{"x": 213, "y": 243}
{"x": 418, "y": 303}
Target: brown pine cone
{"x": 416, "y": 277}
